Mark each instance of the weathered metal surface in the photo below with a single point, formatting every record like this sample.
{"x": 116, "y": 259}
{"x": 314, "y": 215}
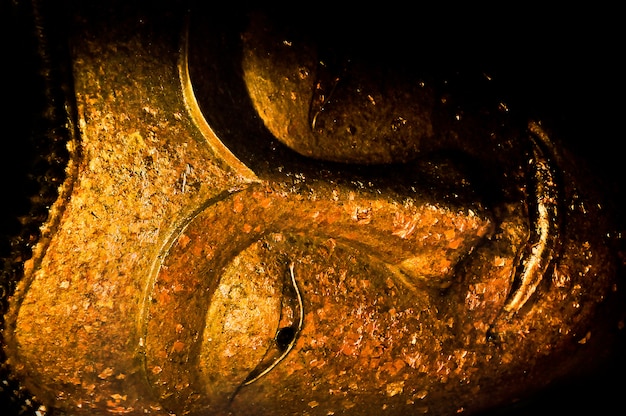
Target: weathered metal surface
{"x": 247, "y": 229}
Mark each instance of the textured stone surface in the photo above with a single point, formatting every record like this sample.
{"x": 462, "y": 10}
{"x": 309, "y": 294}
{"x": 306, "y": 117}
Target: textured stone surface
{"x": 197, "y": 263}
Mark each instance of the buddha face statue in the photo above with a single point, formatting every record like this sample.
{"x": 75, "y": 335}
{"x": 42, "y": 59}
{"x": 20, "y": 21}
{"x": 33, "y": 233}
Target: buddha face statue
{"x": 262, "y": 214}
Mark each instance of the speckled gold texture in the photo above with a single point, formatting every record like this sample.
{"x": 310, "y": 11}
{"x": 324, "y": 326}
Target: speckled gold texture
{"x": 182, "y": 277}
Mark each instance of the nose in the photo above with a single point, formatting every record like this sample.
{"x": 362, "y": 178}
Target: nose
{"x": 225, "y": 305}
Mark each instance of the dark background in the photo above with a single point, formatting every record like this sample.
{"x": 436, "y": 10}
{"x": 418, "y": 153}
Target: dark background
{"x": 562, "y": 66}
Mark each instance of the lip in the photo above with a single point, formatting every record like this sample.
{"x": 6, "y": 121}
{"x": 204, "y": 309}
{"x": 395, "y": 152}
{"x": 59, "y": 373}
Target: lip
{"x": 284, "y": 68}
{"x": 517, "y": 261}
{"x": 434, "y": 282}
